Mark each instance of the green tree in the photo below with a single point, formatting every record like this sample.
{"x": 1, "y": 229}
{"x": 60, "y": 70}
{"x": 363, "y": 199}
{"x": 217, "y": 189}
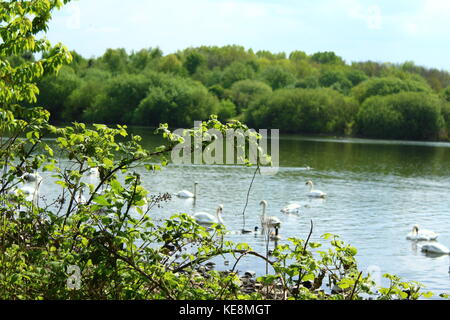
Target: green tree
{"x": 170, "y": 64}
{"x": 192, "y": 61}
{"x": 277, "y": 77}
{"x": 226, "y": 110}
{"x": 235, "y": 72}
{"x": 177, "y": 101}
{"x": 446, "y": 94}
{"x": 327, "y": 57}
{"x": 116, "y": 60}
{"x": 298, "y": 56}
{"x": 335, "y": 79}
{"x": 143, "y": 58}
{"x": 245, "y": 92}
{"x": 121, "y": 96}
{"x": 386, "y": 86}
{"x": 405, "y": 115}
{"x": 55, "y": 91}
{"x": 93, "y": 85}
{"x": 304, "y": 111}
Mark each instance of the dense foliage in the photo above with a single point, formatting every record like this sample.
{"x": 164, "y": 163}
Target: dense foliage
{"x": 148, "y": 87}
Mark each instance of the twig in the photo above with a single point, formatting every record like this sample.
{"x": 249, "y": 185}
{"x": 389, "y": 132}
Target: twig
{"x": 248, "y": 196}
{"x": 300, "y": 276}
{"x": 354, "y": 287}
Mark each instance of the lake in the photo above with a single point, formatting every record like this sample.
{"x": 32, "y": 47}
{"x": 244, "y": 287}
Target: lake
{"x": 377, "y": 190}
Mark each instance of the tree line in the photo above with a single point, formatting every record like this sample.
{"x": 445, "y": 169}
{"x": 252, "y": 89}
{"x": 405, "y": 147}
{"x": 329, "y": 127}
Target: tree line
{"x": 297, "y": 93}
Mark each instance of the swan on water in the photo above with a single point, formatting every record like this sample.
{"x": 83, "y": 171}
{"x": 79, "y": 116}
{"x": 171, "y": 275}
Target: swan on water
{"x": 268, "y": 221}
{"x": 31, "y": 185}
{"x": 204, "y": 218}
{"x": 314, "y": 193}
{"x": 188, "y": 194}
{"x": 421, "y": 234}
{"x": 93, "y": 175}
{"x": 291, "y": 208}
{"x": 435, "y": 248}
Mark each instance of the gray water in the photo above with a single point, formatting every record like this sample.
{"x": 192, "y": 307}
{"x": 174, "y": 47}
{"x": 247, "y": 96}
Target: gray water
{"x": 377, "y": 190}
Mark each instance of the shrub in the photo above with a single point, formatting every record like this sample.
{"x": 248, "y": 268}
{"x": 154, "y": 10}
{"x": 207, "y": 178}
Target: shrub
{"x": 406, "y": 115}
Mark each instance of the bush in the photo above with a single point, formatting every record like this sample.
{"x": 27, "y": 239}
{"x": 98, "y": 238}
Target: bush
{"x": 244, "y": 92}
{"x": 387, "y": 86}
{"x": 235, "y": 72}
{"x": 406, "y": 115}
{"x": 177, "y": 101}
{"x": 55, "y": 91}
{"x": 304, "y": 111}
{"x": 277, "y": 77}
{"x": 122, "y": 95}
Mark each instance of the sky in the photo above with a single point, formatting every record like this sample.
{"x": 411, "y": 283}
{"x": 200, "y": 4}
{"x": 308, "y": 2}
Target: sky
{"x": 357, "y": 30}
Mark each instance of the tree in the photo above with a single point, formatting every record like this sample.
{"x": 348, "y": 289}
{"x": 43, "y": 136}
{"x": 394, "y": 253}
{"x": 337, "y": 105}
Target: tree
{"x": 405, "y": 115}
{"x": 327, "y": 57}
{"x": 92, "y": 85}
{"x": 386, "y": 86}
{"x": 175, "y": 100}
{"x": 143, "y": 58}
{"x": 277, "y": 77}
{"x": 235, "y": 72}
{"x": 116, "y": 60}
{"x": 119, "y": 99}
{"x": 304, "y": 111}
{"x": 446, "y": 94}
{"x": 244, "y": 92}
{"x": 335, "y": 79}
{"x": 226, "y": 110}
{"x": 55, "y": 91}
{"x": 170, "y": 64}
{"x": 192, "y": 61}
{"x": 298, "y": 56}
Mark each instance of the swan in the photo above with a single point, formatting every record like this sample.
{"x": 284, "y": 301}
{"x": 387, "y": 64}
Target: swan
{"x": 31, "y": 187}
{"x": 93, "y": 175}
{"x": 314, "y": 193}
{"x": 207, "y": 218}
{"x": 188, "y": 194}
{"x": 421, "y": 234}
{"x": 268, "y": 221}
{"x": 291, "y": 208}
{"x": 436, "y": 248}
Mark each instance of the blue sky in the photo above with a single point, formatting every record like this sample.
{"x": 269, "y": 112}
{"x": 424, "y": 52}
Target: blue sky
{"x": 357, "y": 30}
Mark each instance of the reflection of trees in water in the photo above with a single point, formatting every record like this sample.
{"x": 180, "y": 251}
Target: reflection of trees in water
{"x": 398, "y": 159}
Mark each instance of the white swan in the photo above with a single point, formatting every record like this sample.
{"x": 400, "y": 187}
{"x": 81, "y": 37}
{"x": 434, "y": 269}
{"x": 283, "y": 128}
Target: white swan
{"x": 268, "y": 221}
{"x": 93, "y": 175}
{"x": 188, "y": 194}
{"x": 204, "y": 218}
{"x": 435, "y": 248}
{"x": 291, "y": 208}
{"x": 314, "y": 193}
{"x": 421, "y": 234}
{"x": 31, "y": 187}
